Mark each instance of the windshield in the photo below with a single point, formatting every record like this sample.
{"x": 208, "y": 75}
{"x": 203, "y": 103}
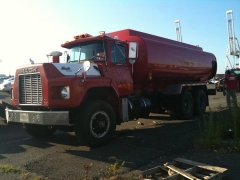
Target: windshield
{"x": 93, "y": 51}
{"x": 236, "y": 72}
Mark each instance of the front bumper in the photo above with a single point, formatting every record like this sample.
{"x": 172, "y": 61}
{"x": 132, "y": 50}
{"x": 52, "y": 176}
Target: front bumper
{"x": 38, "y": 117}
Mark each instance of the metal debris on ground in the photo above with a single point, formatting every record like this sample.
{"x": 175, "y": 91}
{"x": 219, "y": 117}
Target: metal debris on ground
{"x": 181, "y": 169}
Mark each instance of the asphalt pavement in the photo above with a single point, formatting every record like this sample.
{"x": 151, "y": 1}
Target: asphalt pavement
{"x": 141, "y": 144}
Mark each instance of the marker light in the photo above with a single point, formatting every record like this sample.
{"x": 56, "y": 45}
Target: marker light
{"x": 150, "y": 76}
{"x": 102, "y": 33}
{"x": 82, "y": 36}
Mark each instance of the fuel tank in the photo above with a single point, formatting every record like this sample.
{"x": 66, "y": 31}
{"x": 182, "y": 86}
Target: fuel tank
{"x": 160, "y": 59}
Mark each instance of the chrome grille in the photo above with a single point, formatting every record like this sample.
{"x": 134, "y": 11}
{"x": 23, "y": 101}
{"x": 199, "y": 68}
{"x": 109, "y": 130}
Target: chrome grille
{"x": 30, "y": 89}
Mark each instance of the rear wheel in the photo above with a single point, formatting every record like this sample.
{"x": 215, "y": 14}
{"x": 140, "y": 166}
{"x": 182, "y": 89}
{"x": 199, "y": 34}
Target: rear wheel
{"x": 185, "y": 106}
{"x": 95, "y": 123}
{"x": 39, "y": 130}
{"x": 200, "y": 102}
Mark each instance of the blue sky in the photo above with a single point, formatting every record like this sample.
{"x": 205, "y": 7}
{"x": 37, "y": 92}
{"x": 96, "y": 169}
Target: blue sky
{"x": 34, "y": 28}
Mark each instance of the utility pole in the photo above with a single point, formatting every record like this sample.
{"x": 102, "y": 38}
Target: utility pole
{"x": 178, "y": 30}
{"x": 233, "y": 45}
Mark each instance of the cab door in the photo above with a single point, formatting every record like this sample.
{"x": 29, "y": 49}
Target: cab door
{"x": 119, "y": 71}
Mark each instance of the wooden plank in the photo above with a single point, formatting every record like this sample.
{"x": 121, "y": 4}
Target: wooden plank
{"x": 201, "y": 176}
{"x": 202, "y": 165}
{"x": 217, "y": 176}
{"x": 178, "y": 176}
{"x": 198, "y": 170}
{"x": 173, "y": 177}
{"x": 153, "y": 171}
{"x": 192, "y": 170}
{"x": 183, "y": 173}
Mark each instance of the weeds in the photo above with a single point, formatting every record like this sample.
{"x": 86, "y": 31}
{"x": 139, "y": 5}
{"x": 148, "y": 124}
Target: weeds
{"x": 7, "y": 168}
{"x": 221, "y": 125}
{"x": 110, "y": 173}
{"x": 211, "y": 132}
{"x": 86, "y": 169}
{"x": 112, "y": 170}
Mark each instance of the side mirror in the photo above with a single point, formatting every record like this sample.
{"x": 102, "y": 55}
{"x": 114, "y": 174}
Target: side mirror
{"x": 86, "y": 66}
{"x": 66, "y": 57}
{"x": 132, "y": 50}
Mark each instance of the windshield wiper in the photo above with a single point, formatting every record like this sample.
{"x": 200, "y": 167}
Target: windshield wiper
{"x": 74, "y": 61}
{"x": 79, "y": 53}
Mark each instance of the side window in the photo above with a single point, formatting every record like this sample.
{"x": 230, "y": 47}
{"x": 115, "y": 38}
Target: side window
{"x": 118, "y": 54}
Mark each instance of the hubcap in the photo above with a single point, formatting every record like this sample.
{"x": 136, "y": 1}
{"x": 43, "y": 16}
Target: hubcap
{"x": 99, "y": 124}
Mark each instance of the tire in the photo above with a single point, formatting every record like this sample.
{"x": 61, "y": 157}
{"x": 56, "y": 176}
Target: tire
{"x": 39, "y": 131}
{"x": 200, "y": 102}
{"x": 95, "y": 123}
{"x": 185, "y": 106}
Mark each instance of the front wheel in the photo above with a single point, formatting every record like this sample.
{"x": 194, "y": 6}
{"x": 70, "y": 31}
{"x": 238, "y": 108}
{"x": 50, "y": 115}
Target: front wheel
{"x": 39, "y": 131}
{"x": 95, "y": 123}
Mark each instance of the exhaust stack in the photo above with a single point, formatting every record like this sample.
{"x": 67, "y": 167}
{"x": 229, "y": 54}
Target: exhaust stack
{"x": 55, "y": 56}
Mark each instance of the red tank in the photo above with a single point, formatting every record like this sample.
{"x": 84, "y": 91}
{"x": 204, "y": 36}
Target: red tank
{"x": 168, "y": 60}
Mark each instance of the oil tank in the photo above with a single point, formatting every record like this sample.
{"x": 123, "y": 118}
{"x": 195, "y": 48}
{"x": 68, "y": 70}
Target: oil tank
{"x": 168, "y": 60}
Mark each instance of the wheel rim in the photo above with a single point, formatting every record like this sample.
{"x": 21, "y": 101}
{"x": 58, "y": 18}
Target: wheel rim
{"x": 99, "y": 124}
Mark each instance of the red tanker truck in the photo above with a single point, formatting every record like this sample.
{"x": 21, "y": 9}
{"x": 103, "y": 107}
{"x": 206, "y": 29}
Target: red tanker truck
{"x": 110, "y": 79}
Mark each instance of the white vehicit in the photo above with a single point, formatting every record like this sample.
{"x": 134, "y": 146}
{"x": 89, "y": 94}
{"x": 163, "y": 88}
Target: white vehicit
{"x": 6, "y": 84}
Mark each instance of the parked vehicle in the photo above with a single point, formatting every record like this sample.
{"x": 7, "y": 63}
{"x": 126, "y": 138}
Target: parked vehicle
{"x": 213, "y": 81}
{"x": 108, "y": 80}
{"x": 2, "y": 77}
{"x": 219, "y": 85}
{"x": 6, "y": 84}
{"x": 236, "y": 72}
{"x": 1, "y": 80}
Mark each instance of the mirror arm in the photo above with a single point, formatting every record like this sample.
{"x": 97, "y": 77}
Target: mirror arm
{"x": 132, "y": 61}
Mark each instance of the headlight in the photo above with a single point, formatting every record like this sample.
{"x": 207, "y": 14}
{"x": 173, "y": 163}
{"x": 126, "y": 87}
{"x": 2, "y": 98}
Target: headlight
{"x": 65, "y": 94}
